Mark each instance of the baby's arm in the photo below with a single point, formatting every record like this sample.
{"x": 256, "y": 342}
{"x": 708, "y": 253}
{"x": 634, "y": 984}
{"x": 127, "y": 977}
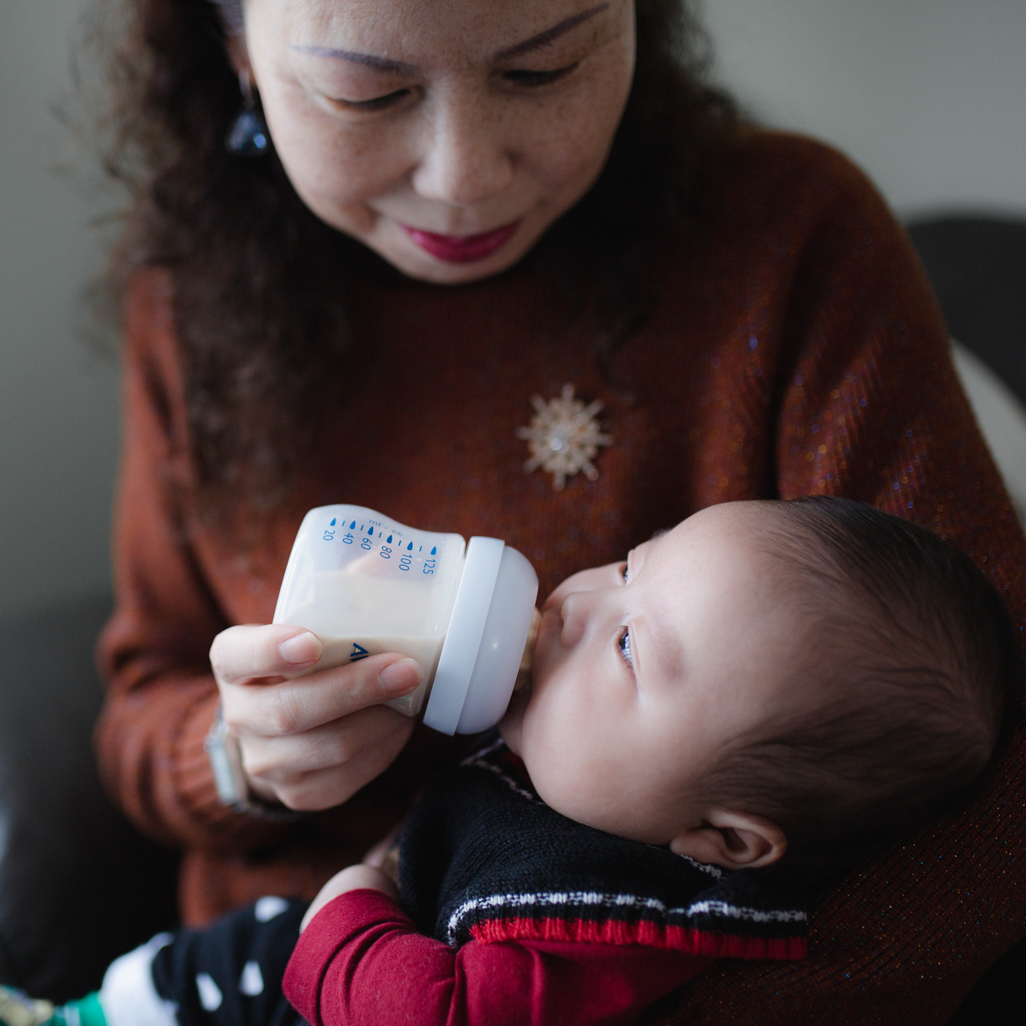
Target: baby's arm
{"x": 360, "y": 959}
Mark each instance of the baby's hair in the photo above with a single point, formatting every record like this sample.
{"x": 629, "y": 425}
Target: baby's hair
{"x": 914, "y": 671}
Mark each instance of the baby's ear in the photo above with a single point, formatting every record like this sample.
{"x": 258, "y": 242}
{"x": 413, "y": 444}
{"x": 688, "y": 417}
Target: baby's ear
{"x": 733, "y": 840}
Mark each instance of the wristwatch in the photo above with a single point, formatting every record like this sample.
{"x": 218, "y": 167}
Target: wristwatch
{"x": 225, "y": 757}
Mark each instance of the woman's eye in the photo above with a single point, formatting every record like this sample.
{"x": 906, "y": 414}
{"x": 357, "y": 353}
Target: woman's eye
{"x": 625, "y": 646}
{"x": 533, "y": 79}
{"x": 378, "y": 103}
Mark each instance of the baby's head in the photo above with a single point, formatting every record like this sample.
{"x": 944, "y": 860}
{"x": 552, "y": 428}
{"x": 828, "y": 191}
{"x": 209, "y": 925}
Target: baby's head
{"x": 813, "y": 678}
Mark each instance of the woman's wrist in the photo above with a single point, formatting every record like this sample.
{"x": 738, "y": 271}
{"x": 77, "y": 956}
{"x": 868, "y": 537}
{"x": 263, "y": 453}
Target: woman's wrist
{"x": 234, "y": 787}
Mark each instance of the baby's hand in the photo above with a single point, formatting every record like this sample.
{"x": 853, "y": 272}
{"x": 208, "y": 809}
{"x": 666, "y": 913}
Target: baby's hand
{"x": 352, "y": 878}
{"x": 385, "y": 855}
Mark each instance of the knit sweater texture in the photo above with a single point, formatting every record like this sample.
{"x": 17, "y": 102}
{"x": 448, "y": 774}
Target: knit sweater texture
{"x": 526, "y": 917}
{"x": 485, "y": 859}
{"x": 795, "y": 348}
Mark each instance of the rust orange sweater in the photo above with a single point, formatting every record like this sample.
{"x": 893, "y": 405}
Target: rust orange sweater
{"x": 796, "y": 348}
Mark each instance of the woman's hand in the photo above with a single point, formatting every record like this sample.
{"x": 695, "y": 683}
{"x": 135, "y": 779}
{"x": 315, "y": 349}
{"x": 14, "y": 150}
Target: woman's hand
{"x": 313, "y": 741}
{"x": 352, "y": 878}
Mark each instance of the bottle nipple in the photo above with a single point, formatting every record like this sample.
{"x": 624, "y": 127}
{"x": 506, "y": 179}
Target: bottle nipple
{"x": 527, "y": 659}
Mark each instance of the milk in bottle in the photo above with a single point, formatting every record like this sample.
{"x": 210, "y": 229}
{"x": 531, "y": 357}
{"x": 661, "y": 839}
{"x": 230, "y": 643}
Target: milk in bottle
{"x": 365, "y": 584}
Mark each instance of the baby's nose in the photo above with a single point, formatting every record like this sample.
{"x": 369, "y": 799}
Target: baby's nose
{"x": 574, "y": 612}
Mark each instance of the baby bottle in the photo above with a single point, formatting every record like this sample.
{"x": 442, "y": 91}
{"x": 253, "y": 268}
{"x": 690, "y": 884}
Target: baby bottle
{"x": 366, "y": 584}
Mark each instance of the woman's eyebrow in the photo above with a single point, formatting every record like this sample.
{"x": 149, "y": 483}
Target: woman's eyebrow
{"x": 543, "y": 39}
{"x": 366, "y": 59}
{"x": 386, "y": 64}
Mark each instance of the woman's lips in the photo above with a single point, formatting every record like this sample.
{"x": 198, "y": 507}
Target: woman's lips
{"x": 461, "y": 249}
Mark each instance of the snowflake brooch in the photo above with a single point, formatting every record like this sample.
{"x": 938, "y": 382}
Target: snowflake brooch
{"x": 563, "y": 437}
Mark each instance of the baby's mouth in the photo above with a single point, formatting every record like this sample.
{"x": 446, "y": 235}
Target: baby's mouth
{"x": 527, "y": 659}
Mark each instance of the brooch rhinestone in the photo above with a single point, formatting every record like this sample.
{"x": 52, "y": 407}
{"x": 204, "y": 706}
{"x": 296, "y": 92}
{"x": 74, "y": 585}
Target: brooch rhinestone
{"x": 563, "y": 437}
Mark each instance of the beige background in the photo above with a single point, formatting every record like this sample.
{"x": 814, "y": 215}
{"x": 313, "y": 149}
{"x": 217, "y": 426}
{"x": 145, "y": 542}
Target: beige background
{"x": 928, "y": 95}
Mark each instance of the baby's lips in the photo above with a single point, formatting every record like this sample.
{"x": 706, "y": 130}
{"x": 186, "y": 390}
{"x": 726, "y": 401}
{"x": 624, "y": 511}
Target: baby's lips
{"x": 527, "y": 660}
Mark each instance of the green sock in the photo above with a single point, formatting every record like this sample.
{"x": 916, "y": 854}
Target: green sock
{"x": 85, "y": 1011}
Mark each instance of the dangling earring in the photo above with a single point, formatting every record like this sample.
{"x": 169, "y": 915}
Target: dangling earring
{"x": 248, "y": 135}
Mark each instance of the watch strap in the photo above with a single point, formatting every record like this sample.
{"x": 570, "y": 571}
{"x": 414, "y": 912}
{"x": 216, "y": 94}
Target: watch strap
{"x": 225, "y": 755}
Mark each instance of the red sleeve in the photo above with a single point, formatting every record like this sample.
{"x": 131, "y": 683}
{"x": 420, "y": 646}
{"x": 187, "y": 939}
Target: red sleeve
{"x": 362, "y": 960}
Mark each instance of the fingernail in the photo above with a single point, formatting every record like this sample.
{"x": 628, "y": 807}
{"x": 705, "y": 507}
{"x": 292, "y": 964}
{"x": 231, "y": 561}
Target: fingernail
{"x": 303, "y": 648}
{"x": 402, "y": 676}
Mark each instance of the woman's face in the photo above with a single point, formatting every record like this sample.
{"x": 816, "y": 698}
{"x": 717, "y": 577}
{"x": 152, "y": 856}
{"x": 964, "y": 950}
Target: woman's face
{"x": 447, "y": 135}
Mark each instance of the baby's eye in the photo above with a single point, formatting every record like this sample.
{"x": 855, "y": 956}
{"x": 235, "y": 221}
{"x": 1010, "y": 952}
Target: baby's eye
{"x": 625, "y": 646}
{"x": 623, "y": 571}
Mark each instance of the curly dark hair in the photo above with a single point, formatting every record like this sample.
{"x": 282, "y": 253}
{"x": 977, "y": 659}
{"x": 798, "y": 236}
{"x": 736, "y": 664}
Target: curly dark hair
{"x": 260, "y": 311}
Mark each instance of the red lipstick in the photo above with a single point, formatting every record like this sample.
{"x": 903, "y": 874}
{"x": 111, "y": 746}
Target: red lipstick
{"x": 461, "y": 249}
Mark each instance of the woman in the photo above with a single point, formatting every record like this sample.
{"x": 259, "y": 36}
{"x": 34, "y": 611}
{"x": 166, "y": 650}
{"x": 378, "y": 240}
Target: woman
{"x": 451, "y": 208}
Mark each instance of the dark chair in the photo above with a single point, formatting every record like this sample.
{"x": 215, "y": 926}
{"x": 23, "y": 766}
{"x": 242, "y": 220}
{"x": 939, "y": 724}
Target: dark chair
{"x": 977, "y": 266}
{"x": 78, "y": 886}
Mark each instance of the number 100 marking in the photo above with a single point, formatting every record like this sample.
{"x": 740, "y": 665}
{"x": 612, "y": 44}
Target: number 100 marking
{"x": 406, "y": 562}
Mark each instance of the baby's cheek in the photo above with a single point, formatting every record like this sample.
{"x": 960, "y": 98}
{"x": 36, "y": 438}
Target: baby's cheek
{"x": 511, "y": 727}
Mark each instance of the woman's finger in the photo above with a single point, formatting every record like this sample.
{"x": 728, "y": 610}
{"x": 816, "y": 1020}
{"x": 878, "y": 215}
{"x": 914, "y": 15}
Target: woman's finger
{"x": 253, "y": 651}
{"x": 280, "y": 759}
{"x": 298, "y": 705}
{"x": 326, "y": 788}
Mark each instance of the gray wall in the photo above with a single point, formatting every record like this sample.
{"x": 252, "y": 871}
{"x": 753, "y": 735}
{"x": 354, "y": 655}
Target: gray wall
{"x": 58, "y": 403}
{"x": 928, "y": 95}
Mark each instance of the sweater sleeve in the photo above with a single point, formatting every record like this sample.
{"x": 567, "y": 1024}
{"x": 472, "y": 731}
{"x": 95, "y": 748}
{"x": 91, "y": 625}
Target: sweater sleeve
{"x": 154, "y": 651}
{"x": 361, "y": 960}
{"x": 840, "y": 380}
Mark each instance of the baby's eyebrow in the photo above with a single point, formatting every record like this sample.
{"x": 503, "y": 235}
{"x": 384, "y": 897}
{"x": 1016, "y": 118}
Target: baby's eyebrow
{"x": 660, "y": 533}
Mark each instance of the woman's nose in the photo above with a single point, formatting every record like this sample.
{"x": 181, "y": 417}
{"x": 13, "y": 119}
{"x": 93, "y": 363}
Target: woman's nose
{"x": 466, "y": 159}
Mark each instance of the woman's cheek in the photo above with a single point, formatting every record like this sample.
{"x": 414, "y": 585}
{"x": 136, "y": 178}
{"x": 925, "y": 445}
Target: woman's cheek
{"x": 571, "y": 152}
{"x": 326, "y": 173}
{"x": 573, "y": 136}
{"x": 330, "y": 163}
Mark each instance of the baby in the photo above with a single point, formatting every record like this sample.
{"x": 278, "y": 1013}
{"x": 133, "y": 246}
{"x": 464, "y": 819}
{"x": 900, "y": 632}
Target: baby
{"x": 764, "y": 695}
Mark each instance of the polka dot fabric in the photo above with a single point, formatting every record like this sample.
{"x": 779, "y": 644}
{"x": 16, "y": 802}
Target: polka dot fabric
{"x": 230, "y": 973}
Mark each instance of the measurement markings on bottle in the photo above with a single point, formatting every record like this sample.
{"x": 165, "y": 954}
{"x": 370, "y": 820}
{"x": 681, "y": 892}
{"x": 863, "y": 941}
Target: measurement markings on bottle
{"x": 391, "y": 545}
